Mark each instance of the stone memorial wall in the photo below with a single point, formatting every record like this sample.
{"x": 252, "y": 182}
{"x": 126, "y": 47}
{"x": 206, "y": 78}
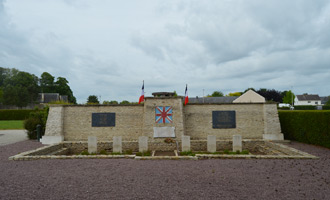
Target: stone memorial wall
{"x": 163, "y": 117}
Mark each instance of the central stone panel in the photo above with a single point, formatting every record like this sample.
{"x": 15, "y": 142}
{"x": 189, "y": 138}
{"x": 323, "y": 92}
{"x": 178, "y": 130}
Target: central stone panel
{"x": 160, "y": 132}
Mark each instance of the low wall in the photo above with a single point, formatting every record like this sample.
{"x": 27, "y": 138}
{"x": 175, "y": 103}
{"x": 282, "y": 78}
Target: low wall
{"x": 74, "y": 123}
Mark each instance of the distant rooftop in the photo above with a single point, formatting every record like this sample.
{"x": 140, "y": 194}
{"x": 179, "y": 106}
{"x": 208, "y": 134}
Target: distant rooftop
{"x": 308, "y": 97}
{"x": 212, "y": 99}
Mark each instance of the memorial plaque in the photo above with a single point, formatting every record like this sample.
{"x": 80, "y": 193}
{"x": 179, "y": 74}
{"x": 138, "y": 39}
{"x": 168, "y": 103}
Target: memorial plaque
{"x": 224, "y": 119}
{"x": 103, "y": 119}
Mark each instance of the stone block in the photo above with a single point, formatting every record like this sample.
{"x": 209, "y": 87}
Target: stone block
{"x": 117, "y": 144}
{"x": 237, "y": 143}
{"x": 164, "y": 132}
{"x": 51, "y": 139}
{"x": 143, "y": 143}
{"x": 92, "y": 144}
{"x": 211, "y": 143}
{"x": 185, "y": 143}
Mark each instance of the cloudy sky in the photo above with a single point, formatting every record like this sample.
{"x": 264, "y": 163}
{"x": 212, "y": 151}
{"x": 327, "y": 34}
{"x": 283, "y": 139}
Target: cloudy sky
{"x": 107, "y": 47}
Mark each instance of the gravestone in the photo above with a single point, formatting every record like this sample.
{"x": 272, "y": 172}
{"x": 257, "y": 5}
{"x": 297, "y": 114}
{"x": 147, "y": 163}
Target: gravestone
{"x": 117, "y": 144}
{"x": 185, "y": 143}
{"x": 224, "y": 119}
{"x": 103, "y": 119}
{"x": 92, "y": 144}
{"x": 237, "y": 143}
{"x": 211, "y": 143}
{"x": 143, "y": 143}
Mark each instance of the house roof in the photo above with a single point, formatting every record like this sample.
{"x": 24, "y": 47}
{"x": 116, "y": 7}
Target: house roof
{"x": 212, "y": 99}
{"x": 308, "y": 97}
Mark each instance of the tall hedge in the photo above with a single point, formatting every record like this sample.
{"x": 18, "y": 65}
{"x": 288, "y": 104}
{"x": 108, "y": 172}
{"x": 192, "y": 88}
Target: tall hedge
{"x": 14, "y": 114}
{"x": 312, "y": 127}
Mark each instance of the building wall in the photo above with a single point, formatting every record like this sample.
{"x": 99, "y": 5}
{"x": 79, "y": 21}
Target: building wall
{"x": 77, "y": 123}
{"x": 307, "y": 103}
{"x": 249, "y": 121}
{"x": 194, "y": 120}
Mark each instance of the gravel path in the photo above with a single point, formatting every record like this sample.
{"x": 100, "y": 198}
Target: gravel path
{"x": 164, "y": 179}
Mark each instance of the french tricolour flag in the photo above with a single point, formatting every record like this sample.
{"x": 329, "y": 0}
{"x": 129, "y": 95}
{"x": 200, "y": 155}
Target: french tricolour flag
{"x": 186, "y": 95}
{"x": 142, "y": 94}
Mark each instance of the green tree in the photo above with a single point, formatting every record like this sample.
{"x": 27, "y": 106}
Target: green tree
{"x": 63, "y": 88}
{"x": 47, "y": 83}
{"x": 288, "y": 97}
{"x": 216, "y": 94}
{"x": 20, "y": 88}
{"x": 328, "y": 102}
{"x": 110, "y": 102}
{"x": 92, "y": 99}
{"x": 234, "y": 94}
{"x": 125, "y": 102}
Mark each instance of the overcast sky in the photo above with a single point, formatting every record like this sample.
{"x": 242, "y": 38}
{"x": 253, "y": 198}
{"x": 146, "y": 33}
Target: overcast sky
{"x": 107, "y": 48}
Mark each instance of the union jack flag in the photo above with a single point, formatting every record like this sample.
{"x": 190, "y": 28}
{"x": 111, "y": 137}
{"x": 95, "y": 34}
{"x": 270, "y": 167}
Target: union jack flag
{"x": 164, "y": 114}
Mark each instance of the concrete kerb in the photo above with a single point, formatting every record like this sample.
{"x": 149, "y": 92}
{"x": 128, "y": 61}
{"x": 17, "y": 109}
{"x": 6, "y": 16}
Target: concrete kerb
{"x": 32, "y": 155}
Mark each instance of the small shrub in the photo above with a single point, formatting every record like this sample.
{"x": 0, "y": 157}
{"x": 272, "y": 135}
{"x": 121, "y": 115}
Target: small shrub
{"x": 144, "y": 153}
{"x": 35, "y": 118}
{"x": 116, "y": 153}
{"x": 226, "y": 151}
{"x": 128, "y": 152}
{"x": 103, "y": 152}
{"x": 187, "y": 153}
{"x": 245, "y": 152}
{"x": 85, "y": 153}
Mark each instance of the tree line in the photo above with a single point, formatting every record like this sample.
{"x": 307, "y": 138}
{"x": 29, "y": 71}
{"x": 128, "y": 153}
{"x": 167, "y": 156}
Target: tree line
{"x": 21, "y": 88}
{"x": 268, "y": 94}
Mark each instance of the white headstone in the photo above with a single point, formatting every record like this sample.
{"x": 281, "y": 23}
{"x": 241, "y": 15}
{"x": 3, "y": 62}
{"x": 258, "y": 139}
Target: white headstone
{"x": 211, "y": 143}
{"x": 185, "y": 143}
{"x": 237, "y": 143}
{"x": 143, "y": 143}
{"x": 92, "y": 144}
{"x": 117, "y": 144}
{"x": 164, "y": 132}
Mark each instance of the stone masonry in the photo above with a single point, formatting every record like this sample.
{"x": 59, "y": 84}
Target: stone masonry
{"x": 74, "y": 122}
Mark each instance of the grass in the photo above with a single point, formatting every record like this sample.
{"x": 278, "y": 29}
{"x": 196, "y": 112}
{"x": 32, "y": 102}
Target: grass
{"x": 11, "y": 124}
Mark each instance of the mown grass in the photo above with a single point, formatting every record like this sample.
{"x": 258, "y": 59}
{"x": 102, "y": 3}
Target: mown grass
{"x": 11, "y": 124}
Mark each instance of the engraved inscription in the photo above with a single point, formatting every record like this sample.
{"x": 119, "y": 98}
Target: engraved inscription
{"x": 103, "y": 119}
{"x": 224, "y": 119}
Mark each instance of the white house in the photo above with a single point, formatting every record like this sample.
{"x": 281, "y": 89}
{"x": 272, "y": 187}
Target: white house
{"x": 307, "y": 100}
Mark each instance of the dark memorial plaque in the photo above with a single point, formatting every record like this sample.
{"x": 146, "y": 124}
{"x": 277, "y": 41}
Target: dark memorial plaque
{"x": 103, "y": 119}
{"x": 224, "y": 119}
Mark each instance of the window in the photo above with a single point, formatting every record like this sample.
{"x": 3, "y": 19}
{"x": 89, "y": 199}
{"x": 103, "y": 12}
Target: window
{"x": 309, "y": 101}
{"x": 316, "y": 102}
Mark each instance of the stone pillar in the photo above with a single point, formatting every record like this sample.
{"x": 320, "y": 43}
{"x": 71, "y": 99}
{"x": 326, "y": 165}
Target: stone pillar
{"x": 211, "y": 143}
{"x": 237, "y": 143}
{"x": 117, "y": 144}
{"x": 143, "y": 143}
{"x": 54, "y": 126}
{"x": 92, "y": 144}
{"x": 185, "y": 143}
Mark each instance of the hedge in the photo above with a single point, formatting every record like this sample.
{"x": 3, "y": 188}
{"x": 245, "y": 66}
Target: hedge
{"x": 305, "y": 107}
{"x": 14, "y": 114}
{"x": 311, "y": 127}
{"x": 325, "y": 107}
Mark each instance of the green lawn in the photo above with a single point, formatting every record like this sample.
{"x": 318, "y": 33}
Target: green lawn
{"x": 11, "y": 124}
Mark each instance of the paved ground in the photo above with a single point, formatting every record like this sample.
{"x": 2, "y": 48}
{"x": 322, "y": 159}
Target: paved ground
{"x": 12, "y": 136}
{"x": 164, "y": 179}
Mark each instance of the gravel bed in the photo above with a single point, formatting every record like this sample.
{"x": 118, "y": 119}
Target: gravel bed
{"x": 164, "y": 179}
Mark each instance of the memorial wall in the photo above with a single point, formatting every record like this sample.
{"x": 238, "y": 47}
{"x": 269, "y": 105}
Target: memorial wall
{"x": 162, "y": 117}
